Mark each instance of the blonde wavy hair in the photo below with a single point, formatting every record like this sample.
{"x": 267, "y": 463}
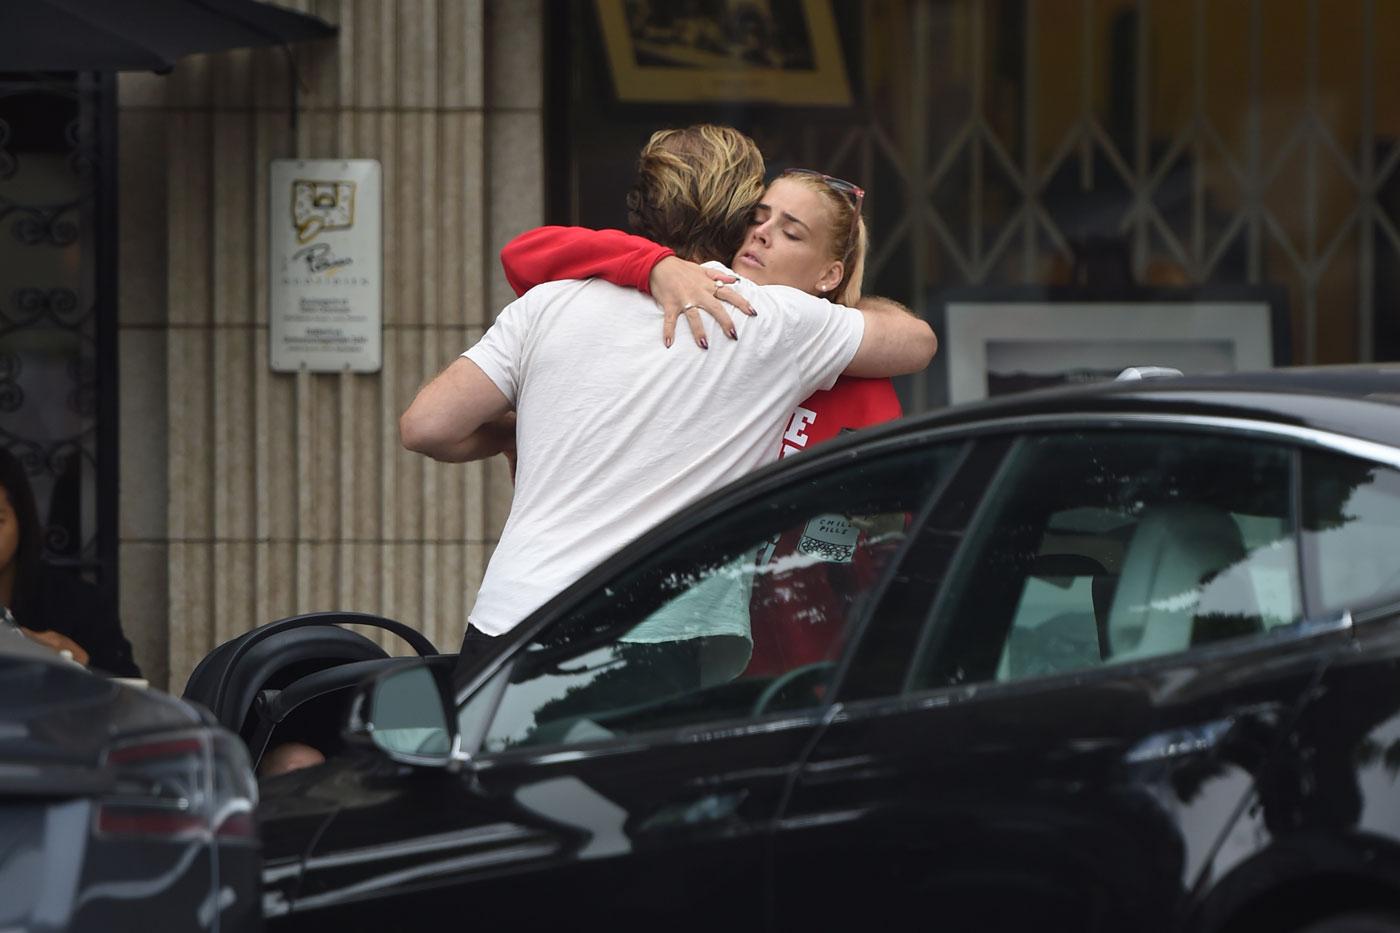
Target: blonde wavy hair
{"x": 848, "y": 240}
{"x": 696, "y": 190}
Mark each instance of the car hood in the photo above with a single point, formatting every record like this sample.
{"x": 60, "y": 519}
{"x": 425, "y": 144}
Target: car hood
{"x": 56, "y": 719}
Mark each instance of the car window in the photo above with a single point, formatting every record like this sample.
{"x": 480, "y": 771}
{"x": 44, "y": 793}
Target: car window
{"x": 741, "y": 618}
{"x": 1096, "y": 548}
{"x": 1351, "y": 522}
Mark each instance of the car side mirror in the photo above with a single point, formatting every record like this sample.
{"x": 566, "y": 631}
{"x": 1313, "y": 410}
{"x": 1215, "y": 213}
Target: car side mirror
{"x": 404, "y": 713}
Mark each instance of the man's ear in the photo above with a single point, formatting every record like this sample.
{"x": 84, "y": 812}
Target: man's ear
{"x": 830, "y": 278}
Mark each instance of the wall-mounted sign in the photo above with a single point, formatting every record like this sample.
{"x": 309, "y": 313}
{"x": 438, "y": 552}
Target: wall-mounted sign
{"x": 325, "y": 298}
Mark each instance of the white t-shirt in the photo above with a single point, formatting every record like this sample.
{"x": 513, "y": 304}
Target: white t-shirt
{"x": 615, "y": 431}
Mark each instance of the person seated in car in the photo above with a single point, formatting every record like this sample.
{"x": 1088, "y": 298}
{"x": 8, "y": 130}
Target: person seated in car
{"x": 287, "y": 757}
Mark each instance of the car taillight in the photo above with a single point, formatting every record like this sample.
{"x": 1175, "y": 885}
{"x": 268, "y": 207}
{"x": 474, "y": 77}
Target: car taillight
{"x": 124, "y": 819}
{"x": 183, "y": 786}
{"x": 236, "y": 826}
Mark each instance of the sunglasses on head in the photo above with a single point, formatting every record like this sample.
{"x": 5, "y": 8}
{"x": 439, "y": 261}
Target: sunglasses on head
{"x": 851, "y": 191}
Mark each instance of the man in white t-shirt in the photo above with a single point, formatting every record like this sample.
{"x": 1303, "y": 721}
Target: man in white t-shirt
{"x": 615, "y": 431}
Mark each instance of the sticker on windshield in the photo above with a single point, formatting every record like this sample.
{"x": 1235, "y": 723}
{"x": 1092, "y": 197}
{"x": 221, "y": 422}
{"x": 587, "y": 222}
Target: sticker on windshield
{"x": 831, "y": 538}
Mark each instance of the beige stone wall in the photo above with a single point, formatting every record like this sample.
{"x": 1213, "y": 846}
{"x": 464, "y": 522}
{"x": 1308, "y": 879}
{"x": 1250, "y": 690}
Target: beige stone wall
{"x": 246, "y": 495}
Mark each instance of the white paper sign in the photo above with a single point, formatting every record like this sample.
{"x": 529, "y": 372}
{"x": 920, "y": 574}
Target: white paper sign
{"x": 325, "y": 299}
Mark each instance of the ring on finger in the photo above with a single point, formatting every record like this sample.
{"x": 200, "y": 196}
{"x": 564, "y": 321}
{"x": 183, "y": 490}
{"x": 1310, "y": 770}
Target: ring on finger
{"x": 718, "y": 286}
{"x": 687, "y": 307}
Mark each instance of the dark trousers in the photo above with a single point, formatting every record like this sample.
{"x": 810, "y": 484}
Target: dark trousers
{"x": 476, "y": 645}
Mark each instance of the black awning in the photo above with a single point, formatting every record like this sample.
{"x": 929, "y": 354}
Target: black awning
{"x": 140, "y": 35}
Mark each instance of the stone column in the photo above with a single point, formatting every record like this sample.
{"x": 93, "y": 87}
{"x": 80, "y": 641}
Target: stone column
{"x": 248, "y": 495}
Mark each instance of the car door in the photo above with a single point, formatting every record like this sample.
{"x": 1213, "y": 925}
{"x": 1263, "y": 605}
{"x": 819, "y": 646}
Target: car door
{"x": 631, "y": 750}
{"x": 1325, "y": 816}
{"x": 1109, "y": 648}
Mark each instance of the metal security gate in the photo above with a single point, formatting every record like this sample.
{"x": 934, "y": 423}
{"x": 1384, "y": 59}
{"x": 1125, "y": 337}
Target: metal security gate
{"x": 1218, "y": 141}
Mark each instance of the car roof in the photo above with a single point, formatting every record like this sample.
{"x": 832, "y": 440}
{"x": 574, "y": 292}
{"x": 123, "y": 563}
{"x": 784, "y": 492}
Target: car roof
{"x": 1358, "y": 400}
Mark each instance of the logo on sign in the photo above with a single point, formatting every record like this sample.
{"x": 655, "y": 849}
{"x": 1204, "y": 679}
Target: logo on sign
{"x": 318, "y": 206}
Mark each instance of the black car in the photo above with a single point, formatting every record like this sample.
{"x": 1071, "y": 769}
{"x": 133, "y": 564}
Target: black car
{"x": 1116, "y": 657}
{"x": 121, "y": 809}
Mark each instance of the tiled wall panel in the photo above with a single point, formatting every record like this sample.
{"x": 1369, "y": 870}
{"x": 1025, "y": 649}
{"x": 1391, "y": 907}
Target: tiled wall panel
{"x": 288, "y": 493}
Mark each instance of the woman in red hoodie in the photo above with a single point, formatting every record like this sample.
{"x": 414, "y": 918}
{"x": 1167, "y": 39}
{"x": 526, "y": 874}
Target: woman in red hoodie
{"x": 807, "y": 233}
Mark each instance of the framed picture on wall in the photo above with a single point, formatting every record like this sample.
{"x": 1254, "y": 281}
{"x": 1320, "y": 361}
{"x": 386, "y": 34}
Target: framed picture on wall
{"x": 997, "y": 341}
{"x": 782, "y": 52}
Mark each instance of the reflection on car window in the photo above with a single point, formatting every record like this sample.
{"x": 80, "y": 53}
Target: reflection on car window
{"x": 1351, "y": 523}
{"x": 1100, "y": 548}
{"x": 742, "y": 619}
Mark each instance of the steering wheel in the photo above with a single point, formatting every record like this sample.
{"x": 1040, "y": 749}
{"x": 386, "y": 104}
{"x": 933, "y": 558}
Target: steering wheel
{"x": 808, "y": 676}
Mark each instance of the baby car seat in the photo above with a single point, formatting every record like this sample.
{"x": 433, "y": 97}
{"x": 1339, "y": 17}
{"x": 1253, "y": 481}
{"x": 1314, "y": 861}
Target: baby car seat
{"x": 253, "y": 682}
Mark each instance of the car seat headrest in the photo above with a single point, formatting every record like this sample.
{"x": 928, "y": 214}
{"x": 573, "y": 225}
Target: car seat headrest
{"x": 1176, "y": 551}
